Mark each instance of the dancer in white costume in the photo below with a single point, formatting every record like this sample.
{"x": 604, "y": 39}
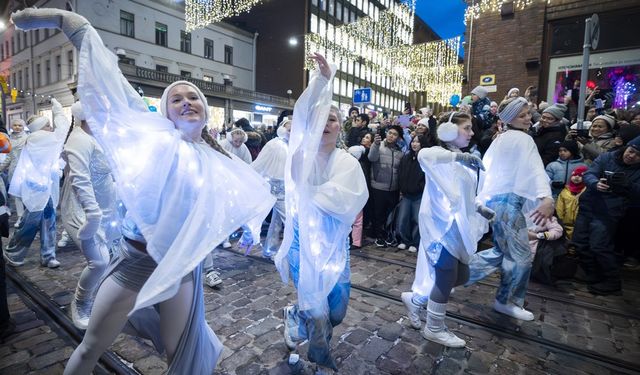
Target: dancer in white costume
{"x": 270, "y": 163}
{"x": 18, "y": 138}
{"x": 450, "y": 223}
{"x": 325, "y": 190}
{"x": 183, "y": 193}
{"x": 89, "y": 212}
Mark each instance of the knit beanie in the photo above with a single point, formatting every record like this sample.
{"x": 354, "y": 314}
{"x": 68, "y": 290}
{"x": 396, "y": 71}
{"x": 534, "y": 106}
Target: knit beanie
{"x": 635, "y": 143}
{"x": 557, "y": 110}
{"x": 354, "y": 109}
{"x": 576, "y": 188}
{"x": 627, "y": 132}
{"x": 480, "y": 91}
{"x": 512, "y": 110}
{"x": 164, "y": 100}
{"x": 609, "y": 120}
{"x": 543, "y": 105}
{"x": 572, "y": 147}
{"x": 512, "y": 90}
{"x": 424, "y": 121}
{"x": 37, "y": 123}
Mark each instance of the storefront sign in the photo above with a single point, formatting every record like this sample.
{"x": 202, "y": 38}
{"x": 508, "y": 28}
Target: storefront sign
{"x": 263, "y": 108}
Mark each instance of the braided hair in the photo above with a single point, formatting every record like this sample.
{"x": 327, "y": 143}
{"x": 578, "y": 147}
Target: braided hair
{"x": 212, "y": 142}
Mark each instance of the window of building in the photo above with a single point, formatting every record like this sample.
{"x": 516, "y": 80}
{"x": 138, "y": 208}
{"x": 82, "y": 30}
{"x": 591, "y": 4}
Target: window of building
{"x": 38, "y": 75}
{"x": 185, "y": 74}
{"x": 207, "y": 78}
{"x": 13, "y": 80}
{"x": 58, "y": 67}
{"x": 228, "y": 55}
{"x": 161, "y": 34}
{"x": 47, "y": 67}
{"x": 208, "y": 49}
{"x": 26, "y": 78}
{"x": 314, "y": 24}
{"x": 20, "y": 80}
{"x": 19, "y": 41}
{"x": 127, "y": 24}
{"x": 36, "y": 36}
{"x": 46, "y": 33}
{"x": 6, "y": 49}
{"x": 185, "y": 41}
{"x": 162, "y": 68}
{"x": 13, "y": 48}
{"x": 70, "y": 63}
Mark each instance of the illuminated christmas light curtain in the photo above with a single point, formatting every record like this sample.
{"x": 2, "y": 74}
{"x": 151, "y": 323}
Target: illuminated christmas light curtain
{"x": 200, "y": 13}
{"x": 383, "y": 47}
{"x": 479, "y": 7}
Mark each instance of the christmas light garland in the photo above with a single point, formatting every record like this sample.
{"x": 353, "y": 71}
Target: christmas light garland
{"x": 474, "y": 11}
{"x": 200, "y": 13}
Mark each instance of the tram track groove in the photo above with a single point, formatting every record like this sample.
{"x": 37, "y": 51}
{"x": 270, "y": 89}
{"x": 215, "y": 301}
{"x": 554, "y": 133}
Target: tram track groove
{"x": 614, "y": 364}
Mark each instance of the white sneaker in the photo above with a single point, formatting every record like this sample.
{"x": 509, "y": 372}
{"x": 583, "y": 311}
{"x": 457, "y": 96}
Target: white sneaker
{"x": 513, "y": 311}
{"x": 80, "y": 314}
{"x": 288, "y": 341}
{"x": 65, "y": 240}
{"x": 226, "y": 244}
{"x": 18, "y": 222}
{"x": 12, "y": 262}
{"x": 212, "y": 278}
{"x": 413, "y": 310}
{"x": 402, "y": 246}
{"x": 412, "y": 249}
{"x": 53, "y": 263}
{"x": 444, "y": 337}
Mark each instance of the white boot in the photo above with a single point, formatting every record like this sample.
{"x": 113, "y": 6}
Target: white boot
{"x": 413, "y": 310}
{"x": 436, "y": 330}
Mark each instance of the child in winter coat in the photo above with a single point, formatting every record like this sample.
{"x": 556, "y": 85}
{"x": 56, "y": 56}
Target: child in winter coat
{"x": 567, "y": 204}
{"x": 560, "y": 171}
{"x": 550, "y": 231}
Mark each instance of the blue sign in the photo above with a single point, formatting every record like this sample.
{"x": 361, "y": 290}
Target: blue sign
{"x": 362, "y": 96}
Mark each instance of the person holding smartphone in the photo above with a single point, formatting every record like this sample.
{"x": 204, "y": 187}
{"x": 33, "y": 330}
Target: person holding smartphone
{"x": 613, "y": 185}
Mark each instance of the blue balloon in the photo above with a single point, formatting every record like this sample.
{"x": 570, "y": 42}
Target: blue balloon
{"x": 455, "y": 99}
{"x": 153, "y": 108}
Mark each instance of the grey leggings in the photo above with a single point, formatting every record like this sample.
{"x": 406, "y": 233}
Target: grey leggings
{"x": 450, "y": 272}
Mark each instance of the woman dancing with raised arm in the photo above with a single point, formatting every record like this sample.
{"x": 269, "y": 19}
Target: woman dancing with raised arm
{"x": 183, "y": 193}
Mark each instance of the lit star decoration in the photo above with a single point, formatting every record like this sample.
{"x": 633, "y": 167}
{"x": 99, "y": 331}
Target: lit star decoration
{"x": 383, "y": 45}
{"x": 474, "y": 10}
{"x": 200, "y": 13}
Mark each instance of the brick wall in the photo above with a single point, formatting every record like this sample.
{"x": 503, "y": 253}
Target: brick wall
{"x": 501, "y": 46}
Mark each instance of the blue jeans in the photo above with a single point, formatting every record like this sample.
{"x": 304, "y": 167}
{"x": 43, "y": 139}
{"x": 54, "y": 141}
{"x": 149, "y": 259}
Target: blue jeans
{"x": 314, "y": 325}
{"x": 407, "y": 219}
{"x": 511, "y": 254}
{"x": 43, "y": 221}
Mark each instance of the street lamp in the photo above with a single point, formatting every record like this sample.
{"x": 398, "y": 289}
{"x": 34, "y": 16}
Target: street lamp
{"x": 289, "y": 92}
{"x": 293, "y": 41}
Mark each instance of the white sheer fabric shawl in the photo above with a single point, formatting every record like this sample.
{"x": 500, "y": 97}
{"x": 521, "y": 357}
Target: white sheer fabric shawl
{"x": 37, "y": 174}
{"x": 271, "y": 161}
{"x": 324, "y": 201}
{"x": 451, "y": 191}
{"x": 185, "y": 197}
{"x": 513, "y": 165}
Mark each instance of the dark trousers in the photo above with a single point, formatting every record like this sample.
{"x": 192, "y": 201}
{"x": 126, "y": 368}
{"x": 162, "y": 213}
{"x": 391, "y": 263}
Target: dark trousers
{"x": 4, "y": 306}
{"x": 593, "y": 238}
{"x": 383, "y": 203}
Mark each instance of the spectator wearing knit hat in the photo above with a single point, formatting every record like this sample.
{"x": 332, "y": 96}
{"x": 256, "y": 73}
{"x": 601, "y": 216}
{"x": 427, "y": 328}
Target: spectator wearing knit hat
{"x": 567, "y": 204}
{"x": 550, "y": 132}
{"x": 601, "y": 137}
{"x": 479, "y": 100}
{"x": 560, "y": 170}
{"x": 613, "y": 187}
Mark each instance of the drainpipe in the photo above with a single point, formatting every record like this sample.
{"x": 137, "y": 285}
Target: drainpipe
{"x": 255, "y": 59}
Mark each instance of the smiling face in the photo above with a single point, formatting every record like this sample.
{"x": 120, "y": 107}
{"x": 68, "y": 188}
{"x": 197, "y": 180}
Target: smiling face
{"x": 415, "y": 144}
{"x": 185, "y": 108}
{"x": 547, "y": 120}
{"x": 631, "y": 156}
{"x": 522, "y": 120}
{"x": 367, "y": 140}
{"x": 598, "y": 128}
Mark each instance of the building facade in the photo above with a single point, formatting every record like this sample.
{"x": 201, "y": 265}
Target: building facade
{"x": 541, "y": 46}
{"x": 282, "y": 26}
{"x": 154, "y": 50}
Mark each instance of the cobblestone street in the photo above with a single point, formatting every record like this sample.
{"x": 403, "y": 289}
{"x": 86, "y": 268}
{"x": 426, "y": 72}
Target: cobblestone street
{"x": 375, "y": 338}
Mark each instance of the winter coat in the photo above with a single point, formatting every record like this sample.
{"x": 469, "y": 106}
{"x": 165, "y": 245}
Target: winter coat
{"x": 482, "y": 115}
{"x": 598, "y": 145}
{"x": 560, "y": 171}
{"x": 410, "y": 176}
{"x": 548, "y": 141}
{"x": 567, "y": 210}
{"x": 385, "y": 160}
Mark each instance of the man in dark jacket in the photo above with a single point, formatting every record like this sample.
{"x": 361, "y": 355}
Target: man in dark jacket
{"x": 385, "y": 159}
{"x": 613, "y": 185}
{"x": 359, "y": 128}
{"x": 551, "y": 132}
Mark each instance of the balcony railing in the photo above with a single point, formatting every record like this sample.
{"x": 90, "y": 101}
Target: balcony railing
{"x": 208, "y": 88}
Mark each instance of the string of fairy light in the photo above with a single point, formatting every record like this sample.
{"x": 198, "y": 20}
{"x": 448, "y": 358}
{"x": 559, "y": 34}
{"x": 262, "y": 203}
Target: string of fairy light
{"x": 383, "y": 47}
{"x": 200, "y": 13}
{"x": 475, "y": 10}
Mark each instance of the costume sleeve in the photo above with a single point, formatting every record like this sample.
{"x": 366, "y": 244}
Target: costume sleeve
{"x": 435, "y": 155}
{"x": 62, "y": 123}
{"x": 79, "y": 156}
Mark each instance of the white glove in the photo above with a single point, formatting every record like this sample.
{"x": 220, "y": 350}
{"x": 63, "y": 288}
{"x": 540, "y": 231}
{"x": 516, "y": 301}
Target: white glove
{"x": 470, "y": 161}
{"x": 56, "y": 107}
{"x": 486, "y": 212}
{"x": 71, "y": 24}
{"x": 90, "y": 227}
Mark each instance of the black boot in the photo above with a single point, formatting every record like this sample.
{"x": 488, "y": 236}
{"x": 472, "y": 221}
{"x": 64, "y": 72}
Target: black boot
{"x": 606, "y": 288}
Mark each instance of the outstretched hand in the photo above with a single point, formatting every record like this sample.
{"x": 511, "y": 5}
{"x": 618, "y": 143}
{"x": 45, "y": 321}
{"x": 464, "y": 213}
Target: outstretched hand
{"x": 323, "y": 65}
